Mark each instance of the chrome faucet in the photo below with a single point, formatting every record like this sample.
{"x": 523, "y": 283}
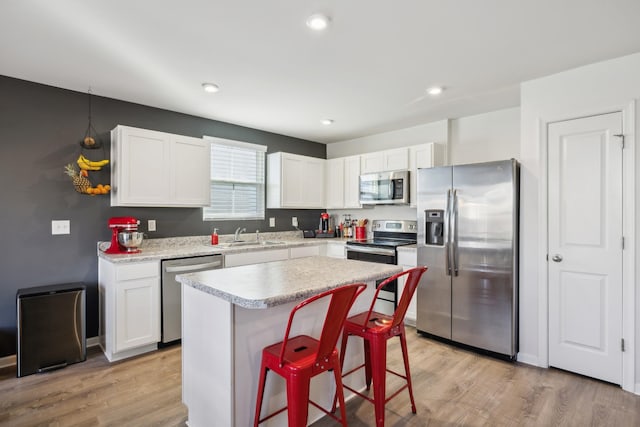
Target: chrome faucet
{"x": 236, "y": 236}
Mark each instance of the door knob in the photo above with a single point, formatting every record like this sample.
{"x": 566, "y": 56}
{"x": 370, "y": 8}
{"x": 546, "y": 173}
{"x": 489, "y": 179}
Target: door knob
{"x": 557, "y": 258}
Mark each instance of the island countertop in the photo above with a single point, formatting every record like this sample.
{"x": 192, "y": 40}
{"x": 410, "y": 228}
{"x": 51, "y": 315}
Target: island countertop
{"x": 260, "y": 286}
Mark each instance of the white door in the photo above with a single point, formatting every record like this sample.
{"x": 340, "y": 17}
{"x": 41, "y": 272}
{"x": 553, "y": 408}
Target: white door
{"x": 585, "y": 246}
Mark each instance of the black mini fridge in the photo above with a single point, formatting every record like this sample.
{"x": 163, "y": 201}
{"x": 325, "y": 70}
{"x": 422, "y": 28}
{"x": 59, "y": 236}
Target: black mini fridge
{"x": 51, "y": 327}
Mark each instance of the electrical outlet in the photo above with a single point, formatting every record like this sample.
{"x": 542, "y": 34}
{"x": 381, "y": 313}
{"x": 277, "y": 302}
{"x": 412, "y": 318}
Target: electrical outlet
{"x": 272, "y": 222}
{"x": 61, "y": 226}
{"x": 294, "y": 221}
{"x": 151, "y": 225}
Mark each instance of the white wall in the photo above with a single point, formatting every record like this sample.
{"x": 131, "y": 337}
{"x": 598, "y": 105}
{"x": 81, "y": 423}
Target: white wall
{"x": 485, "y": 137}
{"x": 472, "y": 139}
{"x": 430, "y": 132}
{"x": 593, "y": 89}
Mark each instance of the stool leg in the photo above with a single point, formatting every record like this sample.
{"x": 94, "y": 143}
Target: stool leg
{"x": 379, "y": 373}
{"x": 263, "y": 377}
{"x": 298, "y": 399}
{"x": 343, "y": 348}
{"x": 405, "y": 356}
{"x": 337, "y": 373}
{"x": 367, "y": 362}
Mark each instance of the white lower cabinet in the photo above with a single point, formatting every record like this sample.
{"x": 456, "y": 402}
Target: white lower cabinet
{"x": 335, "y": 249}
{"x": 129, "y": 308}
{"x": 408, "y": 258}
{"x": 304, "y": 251}
{"x": 255, "y": 257}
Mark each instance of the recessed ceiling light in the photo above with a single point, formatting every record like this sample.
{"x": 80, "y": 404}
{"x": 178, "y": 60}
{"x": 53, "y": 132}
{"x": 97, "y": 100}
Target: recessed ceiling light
{"x": 210, "y": 87}
{"x": 435, "y": 90}
{"x": 326, "y": 122}
{"x": 318, "y": 21}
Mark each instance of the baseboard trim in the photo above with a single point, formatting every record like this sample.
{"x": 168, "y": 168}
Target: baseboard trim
{"x": 93, "y": 342}
{"x": 528, "y": 359}
{"x": 8, "y": 361}
{"x": 11, "y": 360}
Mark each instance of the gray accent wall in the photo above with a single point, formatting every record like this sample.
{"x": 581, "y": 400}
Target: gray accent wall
{"x": 40, "y": 130}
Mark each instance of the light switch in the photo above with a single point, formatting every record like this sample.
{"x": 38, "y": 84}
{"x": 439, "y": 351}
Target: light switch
{"x": 294, "y": 221}
{"x": 151, "y": 225}
{"x": 272, "y": 222}
{"x": 61, "y": 226}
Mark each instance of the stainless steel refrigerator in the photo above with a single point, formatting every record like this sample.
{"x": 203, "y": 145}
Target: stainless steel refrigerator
{"x": 468, "y": 238}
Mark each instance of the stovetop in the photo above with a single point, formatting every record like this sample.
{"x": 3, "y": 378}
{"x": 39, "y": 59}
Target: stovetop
{"x": 390, "y": 234}
{"x": 379, "y": 242}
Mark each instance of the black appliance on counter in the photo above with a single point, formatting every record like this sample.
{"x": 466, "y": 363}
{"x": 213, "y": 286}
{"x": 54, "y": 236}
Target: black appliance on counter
{"x": 387, "y": 236}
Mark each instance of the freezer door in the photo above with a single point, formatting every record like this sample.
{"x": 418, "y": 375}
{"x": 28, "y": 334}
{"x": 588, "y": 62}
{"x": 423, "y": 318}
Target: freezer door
{"x": 434, "y": 291}
{"x": 484, "y": 227}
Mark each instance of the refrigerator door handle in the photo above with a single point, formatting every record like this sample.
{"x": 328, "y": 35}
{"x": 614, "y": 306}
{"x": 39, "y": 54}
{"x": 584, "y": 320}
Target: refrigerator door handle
{"x": 454, "y": 233}
{"x": 447, "y": 245}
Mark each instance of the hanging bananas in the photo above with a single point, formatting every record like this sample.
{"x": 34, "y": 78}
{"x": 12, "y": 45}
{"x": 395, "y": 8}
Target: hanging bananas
{"x": 89, "y": 165}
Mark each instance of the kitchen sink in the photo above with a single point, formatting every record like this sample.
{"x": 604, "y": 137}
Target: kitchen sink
{"x": 251, "y": 243}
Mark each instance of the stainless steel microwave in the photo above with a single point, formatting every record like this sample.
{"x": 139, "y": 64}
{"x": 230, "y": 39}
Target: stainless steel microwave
{"x": 385, "y": 188}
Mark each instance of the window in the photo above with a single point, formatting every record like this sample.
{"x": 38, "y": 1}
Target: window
{"x": 237, "y": 180}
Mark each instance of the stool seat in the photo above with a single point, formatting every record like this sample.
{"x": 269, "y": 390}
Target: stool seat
{"x": 299, "y": 354}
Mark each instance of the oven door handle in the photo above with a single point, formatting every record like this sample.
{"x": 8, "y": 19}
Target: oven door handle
{"x": 372, "y": 250}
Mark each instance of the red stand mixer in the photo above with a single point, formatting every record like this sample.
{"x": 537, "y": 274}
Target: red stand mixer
{"x": 125, "y": 237}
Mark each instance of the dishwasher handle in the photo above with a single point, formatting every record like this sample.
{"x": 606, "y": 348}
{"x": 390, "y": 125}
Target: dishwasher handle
{"x": 193, "y": 267}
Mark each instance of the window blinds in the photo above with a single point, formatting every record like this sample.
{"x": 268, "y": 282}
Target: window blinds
{"x": 237, "y": 180}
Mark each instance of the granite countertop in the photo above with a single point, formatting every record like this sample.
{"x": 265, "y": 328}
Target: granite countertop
{"x": 182, "y": 247}
{"x": 274, "y": 283}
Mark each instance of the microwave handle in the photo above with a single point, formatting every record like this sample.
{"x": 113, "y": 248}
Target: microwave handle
{"x": 392, "y": 189}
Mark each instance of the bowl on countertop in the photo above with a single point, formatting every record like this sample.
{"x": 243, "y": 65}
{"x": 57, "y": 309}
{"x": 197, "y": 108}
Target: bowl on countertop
{"x": 130, "y": 239}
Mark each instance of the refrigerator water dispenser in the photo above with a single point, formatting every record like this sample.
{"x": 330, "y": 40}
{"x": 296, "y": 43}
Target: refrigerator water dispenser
{"x": 434, "y": 227}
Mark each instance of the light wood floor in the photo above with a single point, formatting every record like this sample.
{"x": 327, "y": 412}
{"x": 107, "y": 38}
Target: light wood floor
{"x": 453, "y": 387}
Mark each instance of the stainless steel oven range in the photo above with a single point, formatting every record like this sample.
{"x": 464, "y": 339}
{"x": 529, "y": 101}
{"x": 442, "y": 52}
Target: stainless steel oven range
{"x": 387, "y": 236}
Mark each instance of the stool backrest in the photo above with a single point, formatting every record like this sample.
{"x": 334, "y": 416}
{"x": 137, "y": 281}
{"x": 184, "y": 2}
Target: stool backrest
{"x": 410, "y": 286}
{"x": 342, "y": 298}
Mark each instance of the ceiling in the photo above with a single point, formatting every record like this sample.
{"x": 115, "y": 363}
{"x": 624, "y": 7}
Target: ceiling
{"x": 368, "y": 71}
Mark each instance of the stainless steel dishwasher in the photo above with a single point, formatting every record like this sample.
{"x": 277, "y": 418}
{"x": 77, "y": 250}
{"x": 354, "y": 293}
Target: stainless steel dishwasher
{"x": 171, "y": 291}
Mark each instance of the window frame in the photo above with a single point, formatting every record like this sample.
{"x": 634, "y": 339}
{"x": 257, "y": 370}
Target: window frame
{"x": 260, "y": 213}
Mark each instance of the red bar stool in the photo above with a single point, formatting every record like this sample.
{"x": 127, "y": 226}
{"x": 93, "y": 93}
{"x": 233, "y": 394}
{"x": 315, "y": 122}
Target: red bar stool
{"x": 298, "y": 359}
{"x": 376, "y": 328}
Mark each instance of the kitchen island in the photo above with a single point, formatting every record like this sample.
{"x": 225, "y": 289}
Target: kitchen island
{"x": 230, "y": 315}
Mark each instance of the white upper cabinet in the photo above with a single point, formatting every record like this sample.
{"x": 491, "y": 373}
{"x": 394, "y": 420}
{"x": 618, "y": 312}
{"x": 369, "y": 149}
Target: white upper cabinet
{"x": 334, "y": 183}
{"x": 295, "y": 181}
{"x": 150, "y": 168}
{"x": 387, "y": 160}
{"x": 422, "y": 156}
{"x": 342, "y": 181}
{"x": 352, "y": 182}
